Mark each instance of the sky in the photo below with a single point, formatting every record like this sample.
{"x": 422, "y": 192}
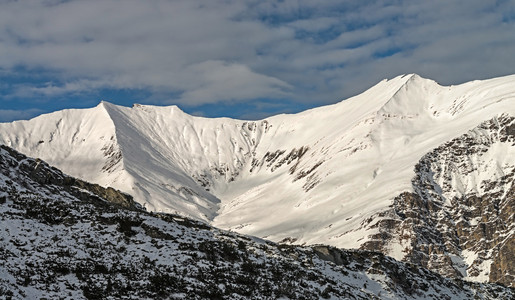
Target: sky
{"x": 245, "y": 59}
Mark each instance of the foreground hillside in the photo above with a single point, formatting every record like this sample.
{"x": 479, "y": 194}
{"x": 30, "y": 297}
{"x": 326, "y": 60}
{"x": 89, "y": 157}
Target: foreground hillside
{"x": 421, "y": 172}
{"x": 64, "y": 238}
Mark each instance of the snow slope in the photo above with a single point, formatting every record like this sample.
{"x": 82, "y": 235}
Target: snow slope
{"x": 312, "y": 177}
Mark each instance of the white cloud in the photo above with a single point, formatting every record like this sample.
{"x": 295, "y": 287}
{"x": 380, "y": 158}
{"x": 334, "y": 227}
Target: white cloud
{"x": 9, "y": 115}
{"x": 315, "y": 24}
{"x": 231, "y": 82}
{"x": 222, "y": 50}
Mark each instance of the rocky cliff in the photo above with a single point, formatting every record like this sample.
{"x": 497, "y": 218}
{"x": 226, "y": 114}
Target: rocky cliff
{"x": 459, "y": 221}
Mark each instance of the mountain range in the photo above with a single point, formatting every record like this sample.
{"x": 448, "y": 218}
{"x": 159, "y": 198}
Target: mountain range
{"x": 421, "y": 172}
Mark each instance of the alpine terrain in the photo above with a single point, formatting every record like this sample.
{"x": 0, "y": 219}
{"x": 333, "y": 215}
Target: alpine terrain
{"x": 421, "y": 172}
{"x": 63, "y": 238}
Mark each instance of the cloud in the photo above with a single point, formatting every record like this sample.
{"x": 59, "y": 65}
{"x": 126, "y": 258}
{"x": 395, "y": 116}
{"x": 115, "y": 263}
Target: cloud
{"x": 9, "y": 115}
{"x": 315, "y": 24}
{"x": 51, "y": 90}
{"x": 216, "y": 80}
{"x": 156, "y": 45}
{"x": 199, "y": 52}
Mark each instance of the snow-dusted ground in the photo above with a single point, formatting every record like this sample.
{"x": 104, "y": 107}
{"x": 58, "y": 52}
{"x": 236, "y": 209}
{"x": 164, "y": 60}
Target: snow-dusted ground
{"x": 58, "y": 241}
{"x": 311, "y": 177}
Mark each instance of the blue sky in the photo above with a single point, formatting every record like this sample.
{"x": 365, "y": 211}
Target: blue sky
{"x": 243, "y": 59}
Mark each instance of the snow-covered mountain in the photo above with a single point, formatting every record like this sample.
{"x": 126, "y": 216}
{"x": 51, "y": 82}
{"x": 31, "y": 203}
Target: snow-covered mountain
{"x": 63, "y": 238}
{"x": 337, "y": 175}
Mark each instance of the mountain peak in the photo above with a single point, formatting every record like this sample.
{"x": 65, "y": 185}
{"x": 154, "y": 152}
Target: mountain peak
{"x": 104, "y": 103}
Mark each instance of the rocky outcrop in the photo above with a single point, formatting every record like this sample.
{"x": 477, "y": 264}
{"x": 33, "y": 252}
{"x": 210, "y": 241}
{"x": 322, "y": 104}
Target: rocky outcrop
{"x": 48, "y": 177}
{"x": 459, "y": 220}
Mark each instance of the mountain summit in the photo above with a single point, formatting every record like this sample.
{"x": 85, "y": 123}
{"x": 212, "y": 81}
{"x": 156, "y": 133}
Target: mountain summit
{"x": 397, "y": 169}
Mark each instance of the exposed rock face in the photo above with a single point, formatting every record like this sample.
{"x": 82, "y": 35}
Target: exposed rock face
{"x": 49, "y": 177}
{"x": 57, "y": 242}
{"x": 113, "y": 155}
{"x": 460, "y": 220}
